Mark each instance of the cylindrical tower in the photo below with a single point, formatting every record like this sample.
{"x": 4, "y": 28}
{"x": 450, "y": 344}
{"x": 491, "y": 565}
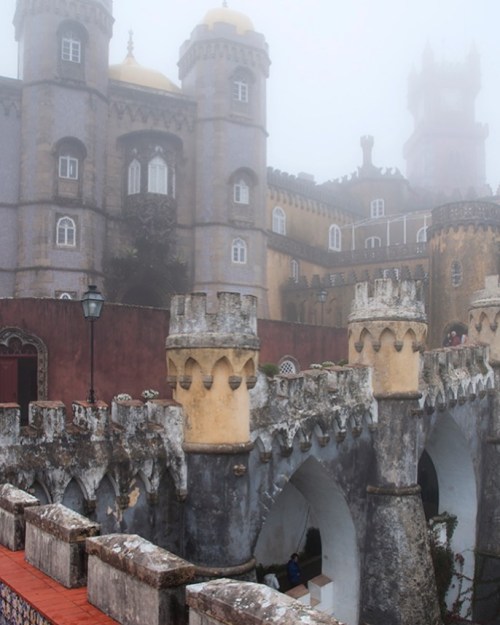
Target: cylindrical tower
{"x": 212, "y": 362}
{"x": 224, "y": 66}
{"x": 460, "y": 232}
{"x": 63, "y": 63}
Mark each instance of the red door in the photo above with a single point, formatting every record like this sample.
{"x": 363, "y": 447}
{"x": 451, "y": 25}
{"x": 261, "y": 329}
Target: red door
{"x": 8, "y": 380}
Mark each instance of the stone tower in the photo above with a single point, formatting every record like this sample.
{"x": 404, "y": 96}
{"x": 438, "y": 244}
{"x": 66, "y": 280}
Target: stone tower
{"x": 387, "y": 329}
{"x": 445, "y": 153}
{"x": 63, "y": 52}
{"x": 460, "y": 231}
{"x": 212, "y": 363}
{"x": 224, "y": 66}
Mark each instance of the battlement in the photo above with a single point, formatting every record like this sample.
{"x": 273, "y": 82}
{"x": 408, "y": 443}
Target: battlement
{"x": 233, "y": 324}
{"x": 489, "y": 296}
{"x": 388, "y": 299}
{"x": 324, "y": 405}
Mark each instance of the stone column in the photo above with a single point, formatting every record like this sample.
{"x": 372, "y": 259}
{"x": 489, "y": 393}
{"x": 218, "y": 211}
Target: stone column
{"x": 387, "y": 330}
{"x": 212, "y": 363}
{"x": 484, "y": 315}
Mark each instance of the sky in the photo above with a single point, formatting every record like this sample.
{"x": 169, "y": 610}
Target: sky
{"x": 339, "y": 69}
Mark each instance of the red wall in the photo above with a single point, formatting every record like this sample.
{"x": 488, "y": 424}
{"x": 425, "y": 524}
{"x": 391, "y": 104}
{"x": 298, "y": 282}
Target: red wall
{"x": 129, "y": 353}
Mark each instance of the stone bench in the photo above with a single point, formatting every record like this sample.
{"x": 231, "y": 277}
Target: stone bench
{"x": 136, "y": 582}
{"x": 230, "y": 602}
{"x": 13, "y": 503}
{"x": 55, "y": 543}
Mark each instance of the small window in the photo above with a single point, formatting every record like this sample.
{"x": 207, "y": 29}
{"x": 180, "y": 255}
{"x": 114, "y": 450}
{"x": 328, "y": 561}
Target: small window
{"x": 377, "y": 208}
{"x": 68, "y": 167}
{"x": 240, "y": 91}
{"x": 422, "y": 235}
{"x": 71, "y": 48}
{"x": 295, "y": 270}
{"x": 241, "y": 192}
{"x": 64, "y": 295}
{"x": 456, "y": 273}
{"x": 66, "y": 232}
{"x": 288, "y": 366}
{"x": 279, "y": 220}
{"x": 134, "y": 178}
{"x": 334, "y": 238}
{"x": 372, "y": 242}
{"x": 239, "y": 251}
{"x": 157, "y": 176}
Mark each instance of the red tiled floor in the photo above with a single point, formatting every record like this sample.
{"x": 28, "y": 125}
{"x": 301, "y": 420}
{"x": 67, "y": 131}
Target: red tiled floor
{"x": 62, "y": 606}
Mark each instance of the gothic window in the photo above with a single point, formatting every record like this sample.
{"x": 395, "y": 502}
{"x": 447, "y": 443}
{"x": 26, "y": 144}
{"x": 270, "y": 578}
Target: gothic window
{"x": 279, "y": 220}
{"x": 240, "y": 90}
{"x": 66, "y": 232}
{"x": 422, "y": 235}
{"x": 157, "y": 176}
{"x": 288, "y": 366}
{"x": 377, "y": 208}
{"x": 239, "y": 251}
{"x": 295, "y": 270}
{"x": 241, "y": 192}
{"x": 68, "y": 167}
{"x": 134, "y": 177}
{"x": 71, "y": 47}
{"x": 371, "y": 242}
{"x": 456, "y": 273}
{"x": 334, "y": 238}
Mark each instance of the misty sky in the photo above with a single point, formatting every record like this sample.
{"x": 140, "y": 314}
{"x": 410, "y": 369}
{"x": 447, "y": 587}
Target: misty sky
{"x": 339, "y": 69}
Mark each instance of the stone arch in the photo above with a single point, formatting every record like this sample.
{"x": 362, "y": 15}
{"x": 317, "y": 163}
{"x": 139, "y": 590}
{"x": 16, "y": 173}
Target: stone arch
{"x": 451, "y": 458}
{"x": 75, "y": 496}
{"x": 107, "y": 511}
{"x": 137, "y": 518}
{"x": 26, "y": 339}
{"x": 39, "y": 490}
{"x": 323, "y": 502}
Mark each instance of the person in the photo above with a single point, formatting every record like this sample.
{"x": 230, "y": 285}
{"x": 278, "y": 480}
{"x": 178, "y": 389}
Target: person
{"x": 293, "y": 570}
{"x": 272, "y": 581}
{"x": 455, "y": 339}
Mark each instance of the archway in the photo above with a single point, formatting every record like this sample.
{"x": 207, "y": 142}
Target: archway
{"x": 450, "y": 455}
{"x": 323, "y": 505}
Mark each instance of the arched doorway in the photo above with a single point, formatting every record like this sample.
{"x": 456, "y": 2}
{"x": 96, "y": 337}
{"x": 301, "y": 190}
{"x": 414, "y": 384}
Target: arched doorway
{"x": 23, "y": 369}
{"x": 312, "y": 499}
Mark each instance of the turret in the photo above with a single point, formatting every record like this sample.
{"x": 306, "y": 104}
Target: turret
{"x": 484, "y": 315}
{"x": 387, "y": 330}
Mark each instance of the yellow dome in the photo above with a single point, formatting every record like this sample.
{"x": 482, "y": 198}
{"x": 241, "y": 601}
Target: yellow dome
{"x": 131, "y": 72}
{"x": 241, "y": 22}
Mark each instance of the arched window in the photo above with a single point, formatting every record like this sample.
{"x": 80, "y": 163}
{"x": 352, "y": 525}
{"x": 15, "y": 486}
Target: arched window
{"x": 66, "y": 232}
{"x": 334, "y": 238}
{"x": 134, "y": 177}
{"x": 71, "y": 47}
{"x": 377, "y": 208}
{"x": 295, "y": 270}
{"x": 372, "y": 242}
{"x": 68, "y": 166}
{"x": 241, "y": 192}
{"x": 456, "y": 273}
{"x": 157, "y": 176}
{"x": 288, "y": 366}
{"x": 422, "y": 235}
{"x": 279, "y": 220}
{"x": 239, "y": 251}
{"x": 65, "y": 295}
{"x": 70, "y": 154}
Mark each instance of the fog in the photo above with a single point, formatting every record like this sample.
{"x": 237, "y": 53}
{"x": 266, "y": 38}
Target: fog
{"x": 339, "y": 69}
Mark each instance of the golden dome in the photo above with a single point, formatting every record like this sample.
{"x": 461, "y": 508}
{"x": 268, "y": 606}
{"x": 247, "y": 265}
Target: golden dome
{"x": 130, "y": 71}
{"x": 223, "y": 14}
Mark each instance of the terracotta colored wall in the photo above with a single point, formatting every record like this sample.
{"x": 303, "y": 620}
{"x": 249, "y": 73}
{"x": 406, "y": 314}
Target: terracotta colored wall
{"x": 129, "y": 353}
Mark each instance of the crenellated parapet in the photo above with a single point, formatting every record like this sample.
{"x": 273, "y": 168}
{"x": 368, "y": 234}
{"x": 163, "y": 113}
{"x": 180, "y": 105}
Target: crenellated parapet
{"x": 452, "y": 376}
{"x": 212, "y": 363}
{"x": 484, "y": 317}
{"x": 387, "y": 331}
{"x": 325, "y": 405}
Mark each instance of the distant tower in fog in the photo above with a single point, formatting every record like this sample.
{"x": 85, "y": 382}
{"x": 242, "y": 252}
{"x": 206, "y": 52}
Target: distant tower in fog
{"x": 445, "y": 153}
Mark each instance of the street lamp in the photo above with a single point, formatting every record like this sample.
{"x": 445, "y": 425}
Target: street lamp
{"x": 321, "y": 299}
{"x": 92, "y": 303}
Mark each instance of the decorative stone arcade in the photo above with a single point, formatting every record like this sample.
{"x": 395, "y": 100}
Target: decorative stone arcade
{"x": 212, "y": 363}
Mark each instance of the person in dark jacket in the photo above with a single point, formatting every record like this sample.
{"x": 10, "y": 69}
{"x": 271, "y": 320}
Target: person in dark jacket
{"x": 293, "y": 570}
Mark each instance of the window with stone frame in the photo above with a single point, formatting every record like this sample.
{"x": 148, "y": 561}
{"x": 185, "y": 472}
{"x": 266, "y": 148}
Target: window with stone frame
{"x": 134, "y": 177}
{"x": 279, "y": 220}
{"x": 66, "y": 232}
{"x": 72, "y": 42}
{"x": 377, "y": 208}
{"x": 239, "y": 251}
{"x": 71, "y": 47}
{"x": 334, "y": 238}
{"x": 241, "y": 192}
{"x": 68, "y": 166}
{"x": 241, "y": 91}
{"x": 456, "y": 273}
{"x": 70, "y": 154}
{"x": 158, "y": 176}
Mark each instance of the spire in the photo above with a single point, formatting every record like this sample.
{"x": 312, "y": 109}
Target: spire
{"x": 130, "y": 44}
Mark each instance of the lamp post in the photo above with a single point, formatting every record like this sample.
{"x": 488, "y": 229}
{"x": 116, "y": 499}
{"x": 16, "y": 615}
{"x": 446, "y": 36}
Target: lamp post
{"x": 92, "y": 303}
{"x": 321, "y": 299}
